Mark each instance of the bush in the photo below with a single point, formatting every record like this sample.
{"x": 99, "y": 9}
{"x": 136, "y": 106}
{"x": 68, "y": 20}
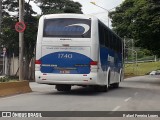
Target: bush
{"x": 13, "y": 77}
{"x": 4, "y": 79}
{"x": 8, "y": 78}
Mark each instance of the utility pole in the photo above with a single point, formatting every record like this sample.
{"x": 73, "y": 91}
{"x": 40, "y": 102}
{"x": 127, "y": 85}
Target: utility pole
{"x": 103, "y": 9}
{"x": 21, "y": 39}
{"x": 108, "y": 11}
{"x": 0, "y": 16}
{"x": 1, "y": 27}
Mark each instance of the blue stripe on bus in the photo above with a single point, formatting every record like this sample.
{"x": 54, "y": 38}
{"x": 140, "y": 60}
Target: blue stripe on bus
{"x": 116, "y": 64}
{"x": 57, "y": 62}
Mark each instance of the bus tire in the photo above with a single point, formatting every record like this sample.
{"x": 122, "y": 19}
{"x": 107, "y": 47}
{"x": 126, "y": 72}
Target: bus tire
{"x": 120, "y": 77}
{"x": 99, "y": 88}
{"x": 63, "y": 87}
{"x": 109, "y": 78}
{"x": 115, "y": 85}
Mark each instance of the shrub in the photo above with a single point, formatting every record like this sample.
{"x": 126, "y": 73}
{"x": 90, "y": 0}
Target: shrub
{"x": 8, "y": 78}
{"x": 4, "y": 79}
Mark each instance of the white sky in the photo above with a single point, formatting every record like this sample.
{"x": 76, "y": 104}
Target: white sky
{"x": 102, "y": 14}
{"x": 89, "y": 8}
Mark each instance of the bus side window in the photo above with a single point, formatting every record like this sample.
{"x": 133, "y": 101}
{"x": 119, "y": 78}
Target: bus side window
{"x": 120, "y": 46}
{"x": 106, "y": 38}
{"x": 117, "y": 44}
{"x": 114, "y": 42}
{"x": 101, "y": 34}
{"x": 110, "y": 40}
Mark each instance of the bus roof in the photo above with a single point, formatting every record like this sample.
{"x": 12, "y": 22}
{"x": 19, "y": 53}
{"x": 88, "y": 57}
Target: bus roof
{"x": 68, "y": 15}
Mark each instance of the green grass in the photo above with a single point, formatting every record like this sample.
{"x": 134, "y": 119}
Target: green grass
{"x": 141, "y": 68}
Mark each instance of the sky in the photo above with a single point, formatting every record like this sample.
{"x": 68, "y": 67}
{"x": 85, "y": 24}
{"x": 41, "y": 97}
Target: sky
{"x": 101, "y": 13}
{"x": 106, "y": 4}
{"x": 89, "y": 8}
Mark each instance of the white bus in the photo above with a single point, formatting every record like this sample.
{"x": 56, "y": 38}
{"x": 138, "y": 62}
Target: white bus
{"x": 77, "y": 49}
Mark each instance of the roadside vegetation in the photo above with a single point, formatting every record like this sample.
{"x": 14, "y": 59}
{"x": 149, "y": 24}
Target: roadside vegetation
{"x": 9, "y": 38}
{"x": 139, "y": 20}
{"x": 141, "y": 68}
{"x": 8, "y": 79}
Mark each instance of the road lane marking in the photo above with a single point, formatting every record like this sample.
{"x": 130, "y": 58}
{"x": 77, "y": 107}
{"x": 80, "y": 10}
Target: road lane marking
{"x": 116, "y": 108}
{"x": 126, "y": 100}
{"x": 135, "y": 93}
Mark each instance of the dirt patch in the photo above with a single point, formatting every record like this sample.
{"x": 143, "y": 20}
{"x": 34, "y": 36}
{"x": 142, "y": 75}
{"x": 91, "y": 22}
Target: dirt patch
{"x": 11, "y": 88}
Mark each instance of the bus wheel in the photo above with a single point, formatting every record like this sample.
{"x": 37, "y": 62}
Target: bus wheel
{"x": 99, "y": 88}
{"x": 115, "y": 85}
{"x": 63, "y": 87}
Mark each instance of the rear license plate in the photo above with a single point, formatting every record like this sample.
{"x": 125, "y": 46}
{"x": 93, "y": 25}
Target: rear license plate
{"x": 65, "y": 71}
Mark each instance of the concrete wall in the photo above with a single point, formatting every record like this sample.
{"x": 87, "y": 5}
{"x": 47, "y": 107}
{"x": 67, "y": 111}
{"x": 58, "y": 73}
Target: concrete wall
{"x": 14, "y": 66}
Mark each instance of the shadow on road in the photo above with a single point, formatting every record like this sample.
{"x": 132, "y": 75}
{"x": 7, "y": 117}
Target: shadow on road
{"x": 85, "y": 91}
{"x": 88, "y": 91}
{"x": 127, "y": 88}
{"x": 78, "y": 91}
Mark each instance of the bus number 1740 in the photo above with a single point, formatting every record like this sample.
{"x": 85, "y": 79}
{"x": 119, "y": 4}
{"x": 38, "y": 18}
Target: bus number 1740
{"x": 66, "y": 56}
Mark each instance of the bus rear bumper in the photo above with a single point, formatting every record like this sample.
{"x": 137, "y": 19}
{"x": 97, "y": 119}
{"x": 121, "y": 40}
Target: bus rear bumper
{"x": 71, "y": 79}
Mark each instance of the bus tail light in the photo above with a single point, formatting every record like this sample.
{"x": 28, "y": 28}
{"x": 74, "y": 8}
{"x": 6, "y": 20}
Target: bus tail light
{"x": 93, "y": 66}
{"x": 37, "y": 65}
{"x": 38, "y": 62}
{"x": 93, "y": 63}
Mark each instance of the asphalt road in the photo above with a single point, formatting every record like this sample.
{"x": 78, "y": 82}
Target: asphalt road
{"x": 134, "y": 94}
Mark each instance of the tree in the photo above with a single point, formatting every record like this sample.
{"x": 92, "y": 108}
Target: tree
{"x": 139, "y": 20}
{"x": 59, "y": 6}
{"x": 10, "y": 37}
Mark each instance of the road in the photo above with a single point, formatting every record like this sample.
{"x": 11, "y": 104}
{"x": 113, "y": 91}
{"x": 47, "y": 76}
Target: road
{"x": 134, "y": 94}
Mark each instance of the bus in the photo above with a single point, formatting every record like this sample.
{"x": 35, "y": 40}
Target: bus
{"x": 77, "y": 49}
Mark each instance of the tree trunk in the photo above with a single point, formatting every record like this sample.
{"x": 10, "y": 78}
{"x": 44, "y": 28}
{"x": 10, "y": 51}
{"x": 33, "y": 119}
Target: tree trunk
{"x": 32, "y": 69}
{"x": 26, "y": 69}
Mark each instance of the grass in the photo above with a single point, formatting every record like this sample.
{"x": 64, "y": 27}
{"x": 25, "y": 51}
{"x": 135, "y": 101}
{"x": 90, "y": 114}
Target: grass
{"x": 141, "y": 68}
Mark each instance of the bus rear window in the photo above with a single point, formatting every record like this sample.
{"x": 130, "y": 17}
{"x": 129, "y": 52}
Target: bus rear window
{"x": 67, "y": 27}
